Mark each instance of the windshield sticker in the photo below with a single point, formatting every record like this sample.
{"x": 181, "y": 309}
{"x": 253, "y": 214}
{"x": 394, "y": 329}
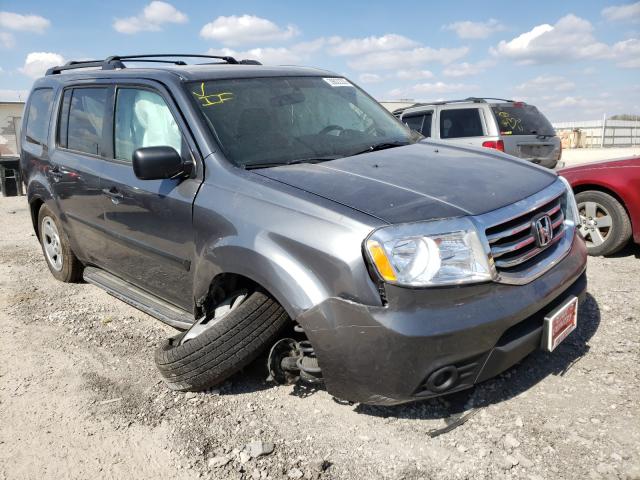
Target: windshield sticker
{"x": 338, "y": 82}
{"x": 209, "y": 99}
{"x": 507, "y": 121}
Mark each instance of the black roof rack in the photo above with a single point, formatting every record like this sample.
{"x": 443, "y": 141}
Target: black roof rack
{"x": 445, "y": 102}
{"x": 117, "y": 61}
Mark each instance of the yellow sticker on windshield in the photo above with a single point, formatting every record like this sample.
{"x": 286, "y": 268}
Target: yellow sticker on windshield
{"x": 209, "y": 99}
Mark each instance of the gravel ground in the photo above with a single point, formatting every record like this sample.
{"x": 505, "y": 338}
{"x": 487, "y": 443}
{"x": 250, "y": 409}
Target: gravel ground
{"x": 80, "y": 398}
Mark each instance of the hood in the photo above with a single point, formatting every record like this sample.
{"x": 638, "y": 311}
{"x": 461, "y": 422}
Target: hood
{"x": 416, "y": 182}
{"x": 615, "y": 163}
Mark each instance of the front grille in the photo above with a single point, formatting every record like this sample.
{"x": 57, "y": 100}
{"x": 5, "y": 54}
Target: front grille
{"x": 513, "y": 244}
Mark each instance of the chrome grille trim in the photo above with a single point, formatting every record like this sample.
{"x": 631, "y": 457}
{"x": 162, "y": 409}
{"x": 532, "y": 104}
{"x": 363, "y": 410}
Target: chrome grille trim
{"x": 509, "y": 239}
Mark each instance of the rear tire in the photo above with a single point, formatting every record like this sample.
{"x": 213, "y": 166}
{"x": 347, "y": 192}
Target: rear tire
{"x": 62, "y": 262}
{"x": 222, "y": 349}
{"x": 604, "y": 222}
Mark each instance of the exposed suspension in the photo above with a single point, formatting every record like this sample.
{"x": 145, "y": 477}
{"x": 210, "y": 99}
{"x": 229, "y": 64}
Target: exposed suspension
{"x": 291, "y": 360}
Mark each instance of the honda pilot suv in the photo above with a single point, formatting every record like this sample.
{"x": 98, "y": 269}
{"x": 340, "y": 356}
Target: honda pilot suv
{"x": 512, "y": 127}
{"x": 282, "y": 209}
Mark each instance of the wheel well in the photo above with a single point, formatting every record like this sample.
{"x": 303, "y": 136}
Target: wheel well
{"x": 224, "y": 284}
{"x": 34, "y": 207}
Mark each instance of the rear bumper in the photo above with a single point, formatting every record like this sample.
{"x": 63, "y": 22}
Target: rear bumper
{"x": 385, "y": 355}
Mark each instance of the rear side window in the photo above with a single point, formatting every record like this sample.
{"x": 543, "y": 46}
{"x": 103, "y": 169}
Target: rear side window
{"x": 143, "y": 119}
{"x": 520, "y": 119}
{"x": 461, "y": 122}
{"x": 38, "y": 116}
{"x": 420, "y": 123}
{"x": 85, "y": 120}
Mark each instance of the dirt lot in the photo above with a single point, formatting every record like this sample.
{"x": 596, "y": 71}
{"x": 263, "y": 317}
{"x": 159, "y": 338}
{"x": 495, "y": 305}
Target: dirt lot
{"x": 80, "y": 397}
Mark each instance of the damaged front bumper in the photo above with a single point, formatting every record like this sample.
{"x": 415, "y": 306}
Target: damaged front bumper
{"x": 409, "y": 349}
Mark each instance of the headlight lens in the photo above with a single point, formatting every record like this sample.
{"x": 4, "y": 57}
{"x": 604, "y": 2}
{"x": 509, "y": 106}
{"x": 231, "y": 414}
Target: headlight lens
{"x": 571, "y": 207}
{"x": 443, "y": 252}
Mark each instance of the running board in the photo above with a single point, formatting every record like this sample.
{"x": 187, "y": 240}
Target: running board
{"x": 138, "y": 298}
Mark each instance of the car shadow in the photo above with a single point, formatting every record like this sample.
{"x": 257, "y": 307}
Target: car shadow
{"x": 631, "y": 250}
{"x": 509, "y": 384}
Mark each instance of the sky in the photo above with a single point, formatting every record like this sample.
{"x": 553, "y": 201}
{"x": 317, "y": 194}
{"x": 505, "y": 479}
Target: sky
{"x": 574, "y": 60}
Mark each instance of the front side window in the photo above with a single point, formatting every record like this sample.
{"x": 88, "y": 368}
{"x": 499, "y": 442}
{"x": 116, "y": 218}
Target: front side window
{"x": 420, "y": 123}
{"x": 86, "y": 118}
{"x": 38, "y": 116}
{"x": 279, "y": 120}
{"x": 143, "y": 119}
{"x": 460, "y": 122}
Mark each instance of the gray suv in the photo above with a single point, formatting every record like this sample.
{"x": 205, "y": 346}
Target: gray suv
{"x": 282, "y": 209}
{"x": 512, "y": 127}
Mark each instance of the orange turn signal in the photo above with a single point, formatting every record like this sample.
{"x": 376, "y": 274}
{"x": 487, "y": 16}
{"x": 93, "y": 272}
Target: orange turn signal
{"x": 381, "y": 261}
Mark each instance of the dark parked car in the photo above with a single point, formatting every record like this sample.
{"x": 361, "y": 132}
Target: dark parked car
{"x": 241, "y": 203}
{"x": 608, "y": 196}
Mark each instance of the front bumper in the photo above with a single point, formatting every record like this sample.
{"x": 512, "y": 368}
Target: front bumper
{"x": 384, "y": 355}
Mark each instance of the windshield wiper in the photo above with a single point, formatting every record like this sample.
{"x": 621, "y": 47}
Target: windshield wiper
{"x": 325, "y": 158}
{"x": 380, "y": 146}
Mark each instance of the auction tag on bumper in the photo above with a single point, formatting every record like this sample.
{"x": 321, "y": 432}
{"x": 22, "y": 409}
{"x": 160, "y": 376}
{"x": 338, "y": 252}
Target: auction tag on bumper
{"x": 338, "y": 82}
{"x": 559, "y": 324}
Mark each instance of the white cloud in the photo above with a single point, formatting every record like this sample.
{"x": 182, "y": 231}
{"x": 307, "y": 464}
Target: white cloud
{"x": 267, "y": 56}
{"x": 7, "y": 40}
{"x": 414, "y": 74}
{"x": 370, "y": 78}
{"x": 13, "y": 95}
{"x": 628, "y": 13}
{"x": 466, "y": 69}
{"x": 360, "y": 46}
{"x": 245, "y": 29}
{"x": 397, "y": 59}
{"x": 37, "y": 63}
{"x": 627, "y": 53}
{"x": 544, "y": 83}
{"x": 426, "y": 89}
{"x": 570, "y": 39}
{"x": 25, "y": 23}
{"x": 474, "y": 30}
{"x": 151, "y": 19}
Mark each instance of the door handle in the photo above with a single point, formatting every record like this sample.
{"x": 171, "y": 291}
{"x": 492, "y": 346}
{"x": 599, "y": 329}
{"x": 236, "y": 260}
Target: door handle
{"x": 56, "y": 173}
{"x": 114, "y": 194}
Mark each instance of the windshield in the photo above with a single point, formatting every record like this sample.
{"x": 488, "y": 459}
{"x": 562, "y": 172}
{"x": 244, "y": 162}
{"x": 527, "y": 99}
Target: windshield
{"x": 518, "y": 119}
{"x": 280, "y": 120}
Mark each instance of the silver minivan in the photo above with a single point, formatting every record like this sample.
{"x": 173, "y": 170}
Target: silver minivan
{"x": 516, "y": 128}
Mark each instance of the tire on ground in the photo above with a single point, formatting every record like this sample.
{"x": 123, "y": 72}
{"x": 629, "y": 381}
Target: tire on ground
{"x": 71, "y": 267}
{"x": 621, "y": 225}
{"x": 224, "y": 348}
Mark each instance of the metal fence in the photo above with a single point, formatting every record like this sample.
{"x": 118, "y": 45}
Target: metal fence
{"x": 600, "y": 133}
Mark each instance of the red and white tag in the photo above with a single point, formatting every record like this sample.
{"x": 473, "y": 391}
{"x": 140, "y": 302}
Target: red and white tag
{"x": 559, "y": 324}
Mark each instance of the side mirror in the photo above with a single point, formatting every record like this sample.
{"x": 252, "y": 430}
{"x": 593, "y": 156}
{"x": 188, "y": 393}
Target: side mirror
{"x": 157, "y": 163}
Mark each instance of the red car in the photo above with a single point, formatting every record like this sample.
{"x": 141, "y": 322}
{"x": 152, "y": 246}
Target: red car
{"x": 608, "y": 197}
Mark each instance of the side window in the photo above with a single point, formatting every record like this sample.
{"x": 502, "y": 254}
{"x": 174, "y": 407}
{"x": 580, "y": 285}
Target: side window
{"x": 420, "y": 123}
{"x": 86, "y": 116}
{"x": 38, "y": 116}
{"x": 143, "y": 119}
{"x": 460, "y": 122}
{"x": 63, "y": 121}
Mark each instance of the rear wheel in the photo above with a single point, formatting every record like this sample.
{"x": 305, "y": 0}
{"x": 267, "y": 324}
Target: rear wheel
{"x": 604, "y": 222}
{"x": 61, "y": 260}
{"x": 242, "y": 326}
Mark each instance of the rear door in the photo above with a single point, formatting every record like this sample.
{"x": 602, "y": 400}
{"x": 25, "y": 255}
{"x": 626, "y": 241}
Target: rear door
{"x": 526, "y": 132}
{"x": 149, "y": 222}
{"x": 462, "y": 125}
{"x": 76, "y": 163}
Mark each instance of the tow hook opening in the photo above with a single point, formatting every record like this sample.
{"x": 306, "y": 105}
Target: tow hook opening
{"x": 293, "y": 360}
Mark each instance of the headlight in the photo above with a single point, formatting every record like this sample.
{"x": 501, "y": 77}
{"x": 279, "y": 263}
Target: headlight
{"x": 571, "y": 207}
{"x": 442, "y": 252}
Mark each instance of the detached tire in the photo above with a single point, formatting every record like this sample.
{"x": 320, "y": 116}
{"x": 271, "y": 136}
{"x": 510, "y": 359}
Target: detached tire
{"x": 224, "y": 348}
{"x": 604, "y": 222}
{"x": 61, "y": 260}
